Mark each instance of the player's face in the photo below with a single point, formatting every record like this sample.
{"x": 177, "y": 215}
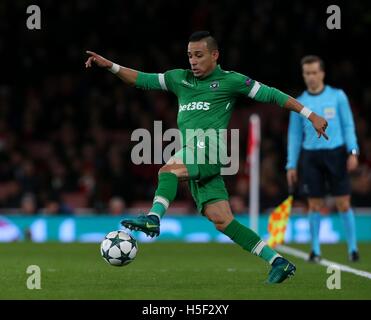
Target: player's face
{"x": 201, "y": 59}
{"x": 313, "y": 75}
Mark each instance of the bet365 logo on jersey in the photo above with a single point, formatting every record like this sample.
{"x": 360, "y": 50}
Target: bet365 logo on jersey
{"x": 194, "y": 106}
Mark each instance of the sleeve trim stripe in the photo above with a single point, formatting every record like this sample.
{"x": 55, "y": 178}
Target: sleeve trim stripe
{"x": 254, "y": 89}
{"x": 161, "y": 79}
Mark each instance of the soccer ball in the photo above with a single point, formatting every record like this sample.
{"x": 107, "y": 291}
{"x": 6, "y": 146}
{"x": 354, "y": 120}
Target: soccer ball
{"x": 119, "y": 248}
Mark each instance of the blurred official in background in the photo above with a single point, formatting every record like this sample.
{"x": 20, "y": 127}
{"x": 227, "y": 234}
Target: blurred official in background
{"x": 326, "y": 163}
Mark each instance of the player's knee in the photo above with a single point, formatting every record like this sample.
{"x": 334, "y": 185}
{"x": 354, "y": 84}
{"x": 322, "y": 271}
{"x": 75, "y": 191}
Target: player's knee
{"x": 169, "y": 168}
{"x": 220, "y": 221}
{"x": 220, "y": 224}
{"x": 165, "y": 168}
{"x": 178, "y": 169}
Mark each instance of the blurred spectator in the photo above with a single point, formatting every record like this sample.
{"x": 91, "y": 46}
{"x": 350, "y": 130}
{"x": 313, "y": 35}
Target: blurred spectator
{"x": 238, "y": 204}
{"x": 116, "y": 206}
{"x": 28, "y": 204}
{"x": 54, "y": 205}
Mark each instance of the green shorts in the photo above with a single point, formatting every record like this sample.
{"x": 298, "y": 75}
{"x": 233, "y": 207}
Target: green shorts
{"x": 206, "y": 183}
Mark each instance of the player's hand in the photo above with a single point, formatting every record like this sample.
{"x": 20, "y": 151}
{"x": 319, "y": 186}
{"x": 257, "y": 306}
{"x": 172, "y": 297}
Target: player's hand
{"x": 320, "y": 124}
{"x": 352, "y": 162}
{"x": 292, "y": 177}
{"x": 98, "y": 60}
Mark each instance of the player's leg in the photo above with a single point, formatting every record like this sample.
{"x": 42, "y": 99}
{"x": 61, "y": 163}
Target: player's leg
{"x": 313, "y": 178}
{"x": 347, "y": 215}
{"x": 219, "y": 212}
{"x": 315, "y": 205}
{"x": 168, "y": 177}
{"x": 336, "y": 161}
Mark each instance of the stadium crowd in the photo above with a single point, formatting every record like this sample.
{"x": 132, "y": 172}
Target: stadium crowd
{"x": 65, "y": 132}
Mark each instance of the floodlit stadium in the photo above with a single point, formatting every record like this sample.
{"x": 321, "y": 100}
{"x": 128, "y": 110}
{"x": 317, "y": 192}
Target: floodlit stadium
{"x": 91, "y": 96}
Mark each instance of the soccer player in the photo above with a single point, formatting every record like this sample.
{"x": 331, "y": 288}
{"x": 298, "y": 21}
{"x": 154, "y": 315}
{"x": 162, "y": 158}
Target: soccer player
{"x": 206, "y": 96}
{"x": 325, "y": 164}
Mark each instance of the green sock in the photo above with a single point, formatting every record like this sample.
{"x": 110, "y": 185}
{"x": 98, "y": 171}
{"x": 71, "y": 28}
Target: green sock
{"x": 250, "y": 241}
{"x": 165, "y": 193}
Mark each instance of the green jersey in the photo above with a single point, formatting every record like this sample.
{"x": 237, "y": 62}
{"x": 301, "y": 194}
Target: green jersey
{"x": 208, "y": 103}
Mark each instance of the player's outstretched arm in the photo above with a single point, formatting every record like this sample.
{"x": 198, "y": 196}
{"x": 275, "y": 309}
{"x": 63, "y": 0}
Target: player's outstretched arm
{"x": 263, "y": 93}
{"x": 129, "y": 76}
{"x": 142, "y": 80}
{"x": 319, "y": 123}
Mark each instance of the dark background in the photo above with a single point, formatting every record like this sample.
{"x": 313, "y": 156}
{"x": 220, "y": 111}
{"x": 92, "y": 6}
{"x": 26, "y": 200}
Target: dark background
{"x": 65, "y": 131}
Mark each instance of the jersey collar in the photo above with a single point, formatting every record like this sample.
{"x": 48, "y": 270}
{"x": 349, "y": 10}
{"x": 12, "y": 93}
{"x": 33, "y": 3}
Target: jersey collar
{"x": 217, "y": 71}
{"x": 318, "y": 93}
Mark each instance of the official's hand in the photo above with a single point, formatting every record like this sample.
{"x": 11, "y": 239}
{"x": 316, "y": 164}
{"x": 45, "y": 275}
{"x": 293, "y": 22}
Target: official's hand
{"x": 292, "y": 177}
{"x": 352, "y": 162}
{"x": 320, "y": 124}
{"x": 98, "y": 60}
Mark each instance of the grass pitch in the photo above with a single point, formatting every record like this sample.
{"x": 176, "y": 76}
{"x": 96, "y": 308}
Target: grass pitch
{"x": 171, "y": 271}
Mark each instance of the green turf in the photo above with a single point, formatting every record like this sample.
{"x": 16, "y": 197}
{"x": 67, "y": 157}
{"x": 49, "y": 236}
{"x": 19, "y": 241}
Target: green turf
{"x": 170, "y": 271}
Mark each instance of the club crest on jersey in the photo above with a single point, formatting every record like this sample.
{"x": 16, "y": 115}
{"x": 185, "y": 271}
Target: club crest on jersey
{"x": 329, "y": 113}
{"x": 214, "y": 85}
